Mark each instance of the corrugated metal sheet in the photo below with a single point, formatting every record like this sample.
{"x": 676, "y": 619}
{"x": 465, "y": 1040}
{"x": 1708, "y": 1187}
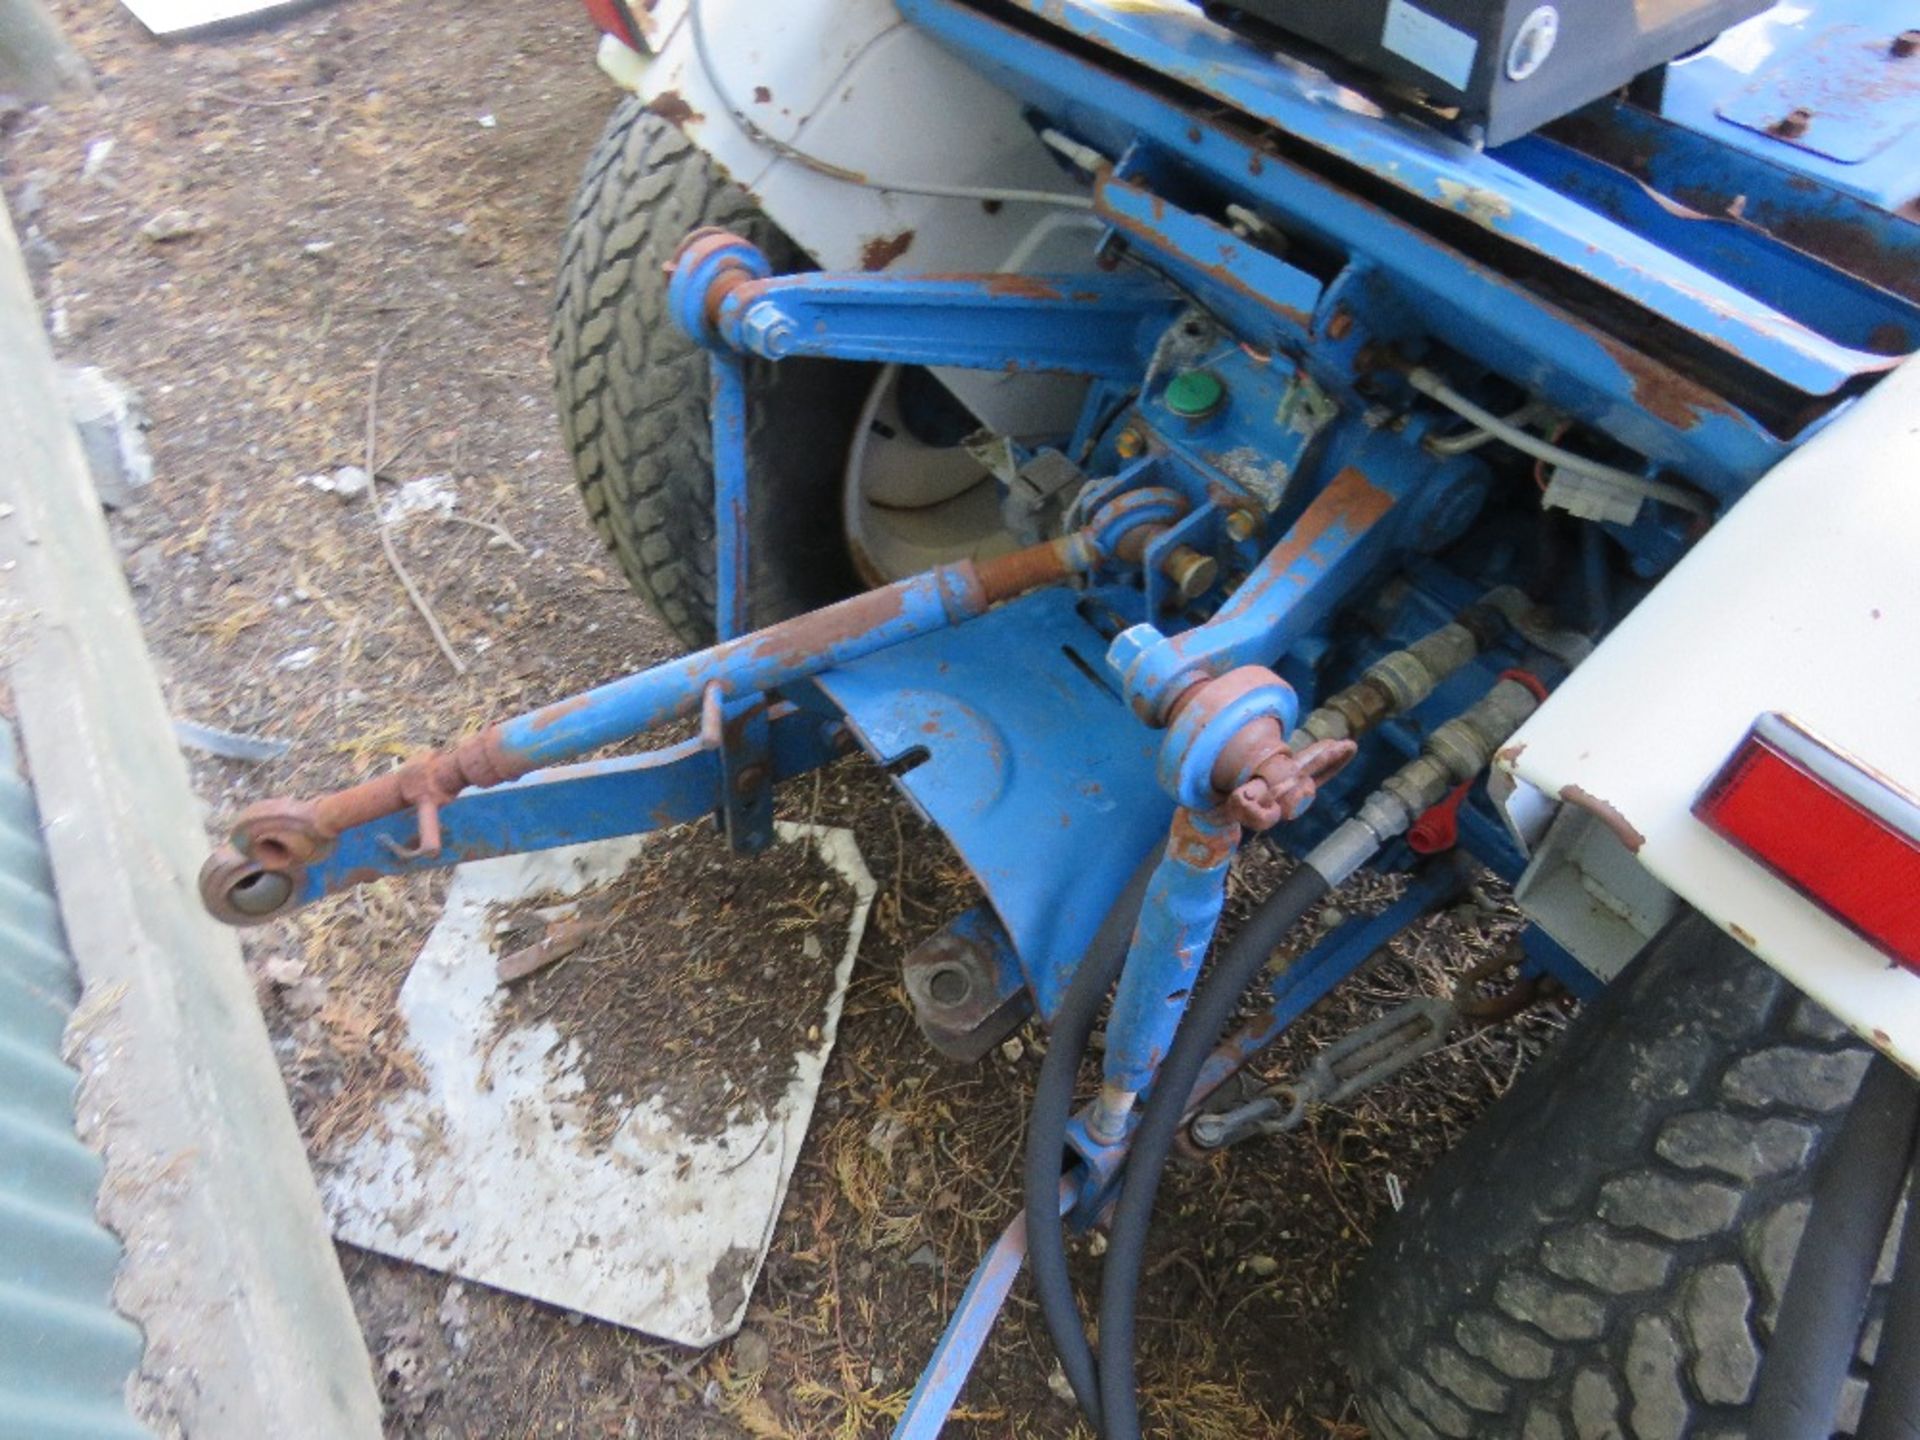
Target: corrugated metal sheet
{"x": 65, "y": 1354}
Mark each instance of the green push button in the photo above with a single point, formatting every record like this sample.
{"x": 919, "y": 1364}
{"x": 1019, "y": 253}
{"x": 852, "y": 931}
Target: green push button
{"x": 1195, "y": 394}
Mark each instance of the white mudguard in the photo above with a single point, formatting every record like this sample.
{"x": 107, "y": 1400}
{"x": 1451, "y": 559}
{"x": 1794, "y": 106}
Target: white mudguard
{"x": 1804, "y": 600}
{"x": 852, "y": 84}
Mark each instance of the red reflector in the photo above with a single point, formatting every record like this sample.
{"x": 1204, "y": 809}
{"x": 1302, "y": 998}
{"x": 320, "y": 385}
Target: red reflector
{"x": 611, "y": 17}
{"x": 1857, "y": 865}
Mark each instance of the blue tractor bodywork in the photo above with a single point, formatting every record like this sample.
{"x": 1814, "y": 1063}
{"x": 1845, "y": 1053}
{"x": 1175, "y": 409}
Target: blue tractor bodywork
{"x": 1306, "y": 300}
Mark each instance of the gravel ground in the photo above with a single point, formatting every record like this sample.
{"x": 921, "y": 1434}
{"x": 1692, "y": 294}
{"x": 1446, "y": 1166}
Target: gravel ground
{"x": 249, "y": 228}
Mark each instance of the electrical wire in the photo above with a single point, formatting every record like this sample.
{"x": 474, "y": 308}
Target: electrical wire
{"x": 786, "y": 151}
{"x": 1472, "y": 438}
{"x": 1434, "y": 388}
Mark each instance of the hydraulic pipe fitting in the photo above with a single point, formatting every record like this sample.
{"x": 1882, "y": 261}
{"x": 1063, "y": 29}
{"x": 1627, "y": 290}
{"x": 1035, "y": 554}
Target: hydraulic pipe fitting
{"x": 1453, "y": 754}
{"x": 1396, "y": 683}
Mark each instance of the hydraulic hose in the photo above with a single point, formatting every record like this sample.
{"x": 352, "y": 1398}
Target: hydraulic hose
{"x": 1892, "y": 1410}
{"x": 1047, "y": 1135}
{"x": 1825, "y": 1299}
{"x": 1238, "y": 966}
{"x": 1455, "y": 752}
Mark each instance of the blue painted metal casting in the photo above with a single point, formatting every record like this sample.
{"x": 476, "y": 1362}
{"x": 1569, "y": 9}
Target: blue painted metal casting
{"x": 1836, "y": 60}
{"x": 1027, "y": 780}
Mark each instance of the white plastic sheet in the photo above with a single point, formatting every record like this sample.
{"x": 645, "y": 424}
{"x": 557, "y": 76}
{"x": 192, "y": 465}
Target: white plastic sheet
{"x": 485, "y": 1172}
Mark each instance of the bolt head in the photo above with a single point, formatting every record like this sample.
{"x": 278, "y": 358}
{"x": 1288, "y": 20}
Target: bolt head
{"x": 1192, "y": 573}
{"x": 1533, "y": 43}
{"x": 1793, "y": 124}
{"x": 766, "y": 331}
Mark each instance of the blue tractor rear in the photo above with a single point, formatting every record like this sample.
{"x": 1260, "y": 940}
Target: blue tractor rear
{"x": 1418, "y": 348}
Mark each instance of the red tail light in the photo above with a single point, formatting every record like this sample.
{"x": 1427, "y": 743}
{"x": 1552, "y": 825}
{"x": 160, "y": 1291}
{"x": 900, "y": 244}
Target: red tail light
{"x": 1840, "y": 834}
{"x": 613, "y": 18}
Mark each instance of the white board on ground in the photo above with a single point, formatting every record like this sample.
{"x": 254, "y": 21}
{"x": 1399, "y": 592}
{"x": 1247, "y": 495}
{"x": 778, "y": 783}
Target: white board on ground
{"x": 485, "y": 1173}
{"x": 170, "y": 17}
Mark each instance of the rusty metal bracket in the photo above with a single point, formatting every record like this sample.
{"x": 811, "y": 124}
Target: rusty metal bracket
{"x": 746, "y": 776}
{"x": 1356, "y": 1062}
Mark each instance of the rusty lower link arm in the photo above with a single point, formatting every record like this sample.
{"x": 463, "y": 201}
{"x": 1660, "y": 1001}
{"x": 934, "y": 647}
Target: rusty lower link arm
{"x": 254, "y": 876}
{"x": 260, "y": 873}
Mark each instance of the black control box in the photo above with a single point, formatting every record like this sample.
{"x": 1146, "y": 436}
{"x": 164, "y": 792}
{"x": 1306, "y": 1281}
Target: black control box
{"x": 1508, "y": 65}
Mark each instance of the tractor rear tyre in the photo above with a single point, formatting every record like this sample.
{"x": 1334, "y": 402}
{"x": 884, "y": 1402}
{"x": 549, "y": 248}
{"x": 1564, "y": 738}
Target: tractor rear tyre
{"x": 633, "y": 393}
{"x": 1604, "y": 1254}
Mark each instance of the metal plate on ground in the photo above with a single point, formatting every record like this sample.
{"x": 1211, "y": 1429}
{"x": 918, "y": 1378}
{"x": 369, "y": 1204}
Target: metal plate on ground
{"x": 488, "y": 1171}
{"x": 171, "y": 17}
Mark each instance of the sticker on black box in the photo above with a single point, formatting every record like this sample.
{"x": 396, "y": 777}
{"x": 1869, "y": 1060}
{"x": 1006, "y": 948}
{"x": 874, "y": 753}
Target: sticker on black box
{"x": 1429, "y": 42}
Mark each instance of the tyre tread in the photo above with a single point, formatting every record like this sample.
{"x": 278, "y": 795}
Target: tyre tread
{"x": 632, "y": 392}
{"x": 1584, "y": 1248}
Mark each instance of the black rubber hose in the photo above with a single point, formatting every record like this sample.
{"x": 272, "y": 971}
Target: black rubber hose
{"x": 1236, "y": 969}
{"x": 1892, "y": 1410}
{"x": 1825, "y": 1298}
{"x": 1047, "y": 1135}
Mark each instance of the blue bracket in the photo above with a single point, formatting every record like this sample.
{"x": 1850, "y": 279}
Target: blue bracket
{"x": 1026, "y": 780}
{"x": 732, "y": 585}
{"x": 1268, "y": 300}
{"x": 1096, "y": 324}
{"x": 746, "y": 775}
{"x": 1177, "y": 921}
{"x": 572, "y": 804}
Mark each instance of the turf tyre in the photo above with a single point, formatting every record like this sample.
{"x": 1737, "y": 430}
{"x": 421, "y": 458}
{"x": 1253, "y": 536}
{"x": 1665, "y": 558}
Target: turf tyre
{"x": 1604, "y": 1254}
{"x": 633, "y": 393}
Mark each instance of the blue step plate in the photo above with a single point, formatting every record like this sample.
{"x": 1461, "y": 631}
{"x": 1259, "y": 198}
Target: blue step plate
{"x": 1851, "y": 91}
{"x": 1035, "y": 769}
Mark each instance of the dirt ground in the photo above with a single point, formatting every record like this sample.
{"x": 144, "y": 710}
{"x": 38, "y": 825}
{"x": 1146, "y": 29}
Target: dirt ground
{"x": 246, "y": 228}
